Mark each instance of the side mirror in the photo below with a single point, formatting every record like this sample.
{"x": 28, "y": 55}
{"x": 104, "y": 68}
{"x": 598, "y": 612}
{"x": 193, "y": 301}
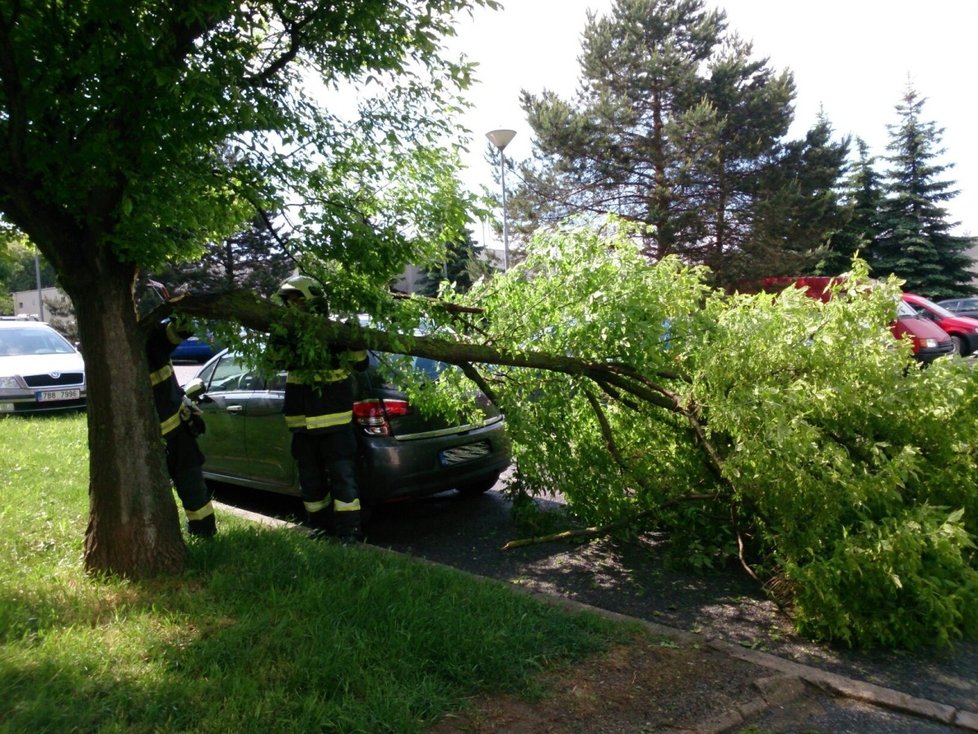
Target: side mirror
{"x": 194, "y": 389}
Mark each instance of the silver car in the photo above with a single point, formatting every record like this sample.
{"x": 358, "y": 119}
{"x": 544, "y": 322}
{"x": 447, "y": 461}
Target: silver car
{"x": 40, "y": 370}
{"x": 400, "y": 452}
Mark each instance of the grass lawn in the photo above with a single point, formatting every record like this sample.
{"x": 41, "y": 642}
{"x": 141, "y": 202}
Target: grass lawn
{"x": 265, "y": 631}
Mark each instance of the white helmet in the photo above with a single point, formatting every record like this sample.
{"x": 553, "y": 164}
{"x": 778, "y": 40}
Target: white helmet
{"x": 309, "y": 288}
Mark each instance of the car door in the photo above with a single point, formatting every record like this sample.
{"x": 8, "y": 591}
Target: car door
{"x": 229, "y": 392}
{"x": 268, "y": 441}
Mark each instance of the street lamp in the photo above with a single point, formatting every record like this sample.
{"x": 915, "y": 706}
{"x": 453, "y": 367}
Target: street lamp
{"x": 501, "y": 138}
{"x": 37, "y": 277}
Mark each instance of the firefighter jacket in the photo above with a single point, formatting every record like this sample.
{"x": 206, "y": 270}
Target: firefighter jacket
{"x": 320, "y": 399}
{"x": 167, "y": 393}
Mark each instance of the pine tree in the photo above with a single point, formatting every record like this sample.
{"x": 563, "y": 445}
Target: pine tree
{"x": 796, "y": 208}
{"x": 676, "y": 126}
{"x": 915, "y": 241}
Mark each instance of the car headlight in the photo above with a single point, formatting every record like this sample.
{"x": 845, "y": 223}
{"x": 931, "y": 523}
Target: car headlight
{"x": 930, "y": 343}
{"x": 10, "y": 382}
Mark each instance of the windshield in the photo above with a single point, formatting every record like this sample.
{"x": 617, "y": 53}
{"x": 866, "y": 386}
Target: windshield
{"x": 905, "y": 310}
{"x": 934, "y": 308}
{"x": 21, "y": 342}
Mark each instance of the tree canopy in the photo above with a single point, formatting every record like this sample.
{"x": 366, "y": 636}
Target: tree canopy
{"x": 792, "y": 436}
{"x": 677, "y": 126}
{"x": 135, "y": 133}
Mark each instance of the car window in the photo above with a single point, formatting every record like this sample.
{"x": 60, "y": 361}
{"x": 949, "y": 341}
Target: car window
{"x": 229, "y": 375}
{"x": 206, "y": 373}
{"x": 277, "y": 381}
{"x": 431, "y": 368}
{"x": 20, "y": 342}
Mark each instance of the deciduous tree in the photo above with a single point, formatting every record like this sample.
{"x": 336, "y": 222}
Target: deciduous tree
{"x": 134, "y": 133}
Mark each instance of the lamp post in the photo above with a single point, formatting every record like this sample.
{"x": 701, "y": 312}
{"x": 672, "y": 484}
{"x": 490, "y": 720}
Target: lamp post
{"x": 37, "y": 277}
{"x": 501, "y": 138}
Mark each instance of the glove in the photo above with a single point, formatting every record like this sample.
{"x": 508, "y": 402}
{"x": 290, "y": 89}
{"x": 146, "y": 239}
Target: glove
{"x": 190, "y": 414}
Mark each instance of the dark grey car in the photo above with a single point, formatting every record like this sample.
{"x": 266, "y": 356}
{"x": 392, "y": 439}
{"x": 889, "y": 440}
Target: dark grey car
{"x": 961, "y": 306}
{"x": 400, "y": 452}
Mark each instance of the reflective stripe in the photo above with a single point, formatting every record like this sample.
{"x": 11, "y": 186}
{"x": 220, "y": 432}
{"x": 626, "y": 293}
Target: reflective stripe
{"x": 172, "y": 335}
{"x": 295, "y": 421}
{"x": 317, "y": 506}
{"x": 170, "y": 423}
{"x": 329, "y": 420}
{"x": 341, "y": 506}
{"x": 163, "y": 373}
{"x": 200, "y": 514}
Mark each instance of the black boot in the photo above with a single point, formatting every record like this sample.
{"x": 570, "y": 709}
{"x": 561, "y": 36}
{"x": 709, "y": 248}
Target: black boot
{"x": 321, "y": 522}
{"x": 206, "y": 527}
{"x": 348, "y": 527}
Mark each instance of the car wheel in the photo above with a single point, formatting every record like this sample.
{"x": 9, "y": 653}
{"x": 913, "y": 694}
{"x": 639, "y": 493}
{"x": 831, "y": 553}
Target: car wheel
{"x": 958, "y": 345}
{"x": 480, "y": 486}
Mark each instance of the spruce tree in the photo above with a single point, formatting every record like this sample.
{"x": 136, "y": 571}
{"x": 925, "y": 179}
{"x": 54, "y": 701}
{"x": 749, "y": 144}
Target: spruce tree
{"x": 463, "y": 265}
{"x": 862, "y": 198}
{"x": 915, "y": 241}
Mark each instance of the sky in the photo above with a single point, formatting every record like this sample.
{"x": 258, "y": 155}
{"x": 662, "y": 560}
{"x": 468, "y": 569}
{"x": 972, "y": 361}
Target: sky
{"x": 853, "y": 59}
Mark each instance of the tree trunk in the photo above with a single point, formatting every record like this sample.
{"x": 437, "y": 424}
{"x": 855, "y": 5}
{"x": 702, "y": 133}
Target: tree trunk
{"x": 133, "y": 528}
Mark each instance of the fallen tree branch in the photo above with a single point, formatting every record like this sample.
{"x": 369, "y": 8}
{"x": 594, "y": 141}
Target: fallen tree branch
{"x": 599, "y": 530}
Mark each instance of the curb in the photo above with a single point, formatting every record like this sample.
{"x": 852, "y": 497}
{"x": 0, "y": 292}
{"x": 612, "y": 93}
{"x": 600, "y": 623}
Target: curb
{"x": 784, "y": 685}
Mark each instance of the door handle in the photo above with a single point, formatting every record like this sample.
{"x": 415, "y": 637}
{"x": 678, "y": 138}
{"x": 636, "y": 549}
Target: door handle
{"x": 235, "y": 409}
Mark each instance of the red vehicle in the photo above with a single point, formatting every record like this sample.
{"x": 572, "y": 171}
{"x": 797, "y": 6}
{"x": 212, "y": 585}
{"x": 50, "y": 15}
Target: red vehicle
{"x": 928, "y": 340}
{"x": 962, "y": 329}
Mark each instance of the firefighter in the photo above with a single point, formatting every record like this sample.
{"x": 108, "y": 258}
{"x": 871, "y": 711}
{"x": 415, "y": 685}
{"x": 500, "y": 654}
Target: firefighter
{"x": 319, "y": 413}
{"x": 180, "y": 424}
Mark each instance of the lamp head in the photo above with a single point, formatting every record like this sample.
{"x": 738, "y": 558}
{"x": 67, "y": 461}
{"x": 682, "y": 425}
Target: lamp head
{"x": 500, "y": 138}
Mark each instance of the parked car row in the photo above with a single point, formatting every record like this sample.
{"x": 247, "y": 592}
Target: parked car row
{"x": 963, "y": 330}
{"x": 933, "y": 330}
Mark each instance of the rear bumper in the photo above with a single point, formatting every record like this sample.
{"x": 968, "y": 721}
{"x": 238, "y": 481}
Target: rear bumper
{"x": 391, "y": 469}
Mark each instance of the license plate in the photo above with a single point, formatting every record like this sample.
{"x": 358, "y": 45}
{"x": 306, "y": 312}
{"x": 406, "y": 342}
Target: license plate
{"x": 51, "y": 395}
{"x": 461, "y": 454}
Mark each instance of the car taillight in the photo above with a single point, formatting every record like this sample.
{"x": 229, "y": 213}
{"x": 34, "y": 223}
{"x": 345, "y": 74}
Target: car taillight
{"x": 372, "y": 415}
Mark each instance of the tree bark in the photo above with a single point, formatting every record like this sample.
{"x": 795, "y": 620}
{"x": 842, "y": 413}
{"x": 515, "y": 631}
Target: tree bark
{"x": 133, "y": 527}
